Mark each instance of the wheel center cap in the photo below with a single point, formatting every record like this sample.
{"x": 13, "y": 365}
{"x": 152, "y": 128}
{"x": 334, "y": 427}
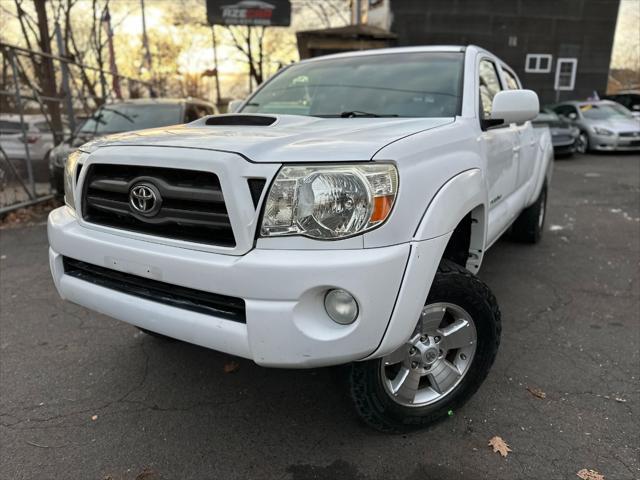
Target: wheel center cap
{"x": 430, "y": 355}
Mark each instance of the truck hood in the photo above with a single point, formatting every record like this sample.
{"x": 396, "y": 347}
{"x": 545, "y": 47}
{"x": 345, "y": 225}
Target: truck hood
{"x": 289, "y": 138}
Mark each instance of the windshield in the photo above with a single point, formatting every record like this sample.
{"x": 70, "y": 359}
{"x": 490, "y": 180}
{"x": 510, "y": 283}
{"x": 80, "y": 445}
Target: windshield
{"x": 126, "y": 117}
{"x": 403, "y": 85}
{"x": 604, "y": 111}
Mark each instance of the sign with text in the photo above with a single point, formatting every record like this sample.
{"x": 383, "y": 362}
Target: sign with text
{"x": 267, "y": 13}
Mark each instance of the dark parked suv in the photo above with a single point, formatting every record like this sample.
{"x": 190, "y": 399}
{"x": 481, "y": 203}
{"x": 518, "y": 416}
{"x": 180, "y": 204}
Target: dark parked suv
{"x": 125, "y": 116}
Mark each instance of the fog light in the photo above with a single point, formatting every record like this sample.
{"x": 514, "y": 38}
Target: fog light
{"x": 341, "y": 306}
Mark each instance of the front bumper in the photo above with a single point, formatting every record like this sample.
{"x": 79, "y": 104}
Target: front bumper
{"x": 613, "y": 143}
{"x": 283, "y": 290}
{"x": 564, "y": 147}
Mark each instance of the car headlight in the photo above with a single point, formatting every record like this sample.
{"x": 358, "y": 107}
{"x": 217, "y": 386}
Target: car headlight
{"x": 59, "y": 155}
{"x": 329, "y": 202}
{"x": 602, "y": 131}
{"x": 70, "y": 178}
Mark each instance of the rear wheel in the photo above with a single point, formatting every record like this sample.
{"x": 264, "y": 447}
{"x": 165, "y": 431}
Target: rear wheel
{"x": 529, "y": 225}
{"x": 441, "y": 365}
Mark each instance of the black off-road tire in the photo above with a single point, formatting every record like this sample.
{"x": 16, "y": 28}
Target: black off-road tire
{"x": 529, "y": 225}
{"x": 452, "y": 284}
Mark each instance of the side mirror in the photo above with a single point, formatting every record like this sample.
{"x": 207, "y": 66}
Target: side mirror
{"x": 515, "y": 106}
{"x": 234, "y": 106}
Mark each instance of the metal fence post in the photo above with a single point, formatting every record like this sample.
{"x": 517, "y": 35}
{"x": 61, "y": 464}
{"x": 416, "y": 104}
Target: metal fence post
{"x": 23, "y": 127}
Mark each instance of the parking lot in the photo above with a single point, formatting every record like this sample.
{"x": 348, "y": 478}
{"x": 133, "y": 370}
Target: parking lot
{"x": 86, "y": 397}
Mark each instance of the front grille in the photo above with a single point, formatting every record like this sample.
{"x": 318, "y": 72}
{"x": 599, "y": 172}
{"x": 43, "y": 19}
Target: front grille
{"x": 562, "y": 138}
{"x": 220, "y": 306}
{"x": 630, "y": 134}
{"x": 192, "y": 206}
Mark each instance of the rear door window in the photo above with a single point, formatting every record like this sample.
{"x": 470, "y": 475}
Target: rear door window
{"x": 489, "y": 86}
{"x": 511, "y": 80}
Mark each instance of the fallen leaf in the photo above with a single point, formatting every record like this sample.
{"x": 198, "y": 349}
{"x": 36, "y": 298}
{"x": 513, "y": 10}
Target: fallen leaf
{"x": 94, "y": 418}
{"x": 585, "y": 474}
{"x": 146, "y": 474}
{"x": 536, "y": 392}
{"x": 231, "y": 367}
{"x": 499, "y": 446}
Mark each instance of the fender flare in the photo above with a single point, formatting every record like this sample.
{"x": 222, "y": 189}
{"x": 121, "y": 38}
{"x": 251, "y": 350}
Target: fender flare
{"x": 462, "y": 194}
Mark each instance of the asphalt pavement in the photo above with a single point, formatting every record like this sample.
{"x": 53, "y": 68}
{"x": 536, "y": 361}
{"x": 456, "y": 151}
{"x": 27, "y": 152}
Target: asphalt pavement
{"x": 83, "y": 396}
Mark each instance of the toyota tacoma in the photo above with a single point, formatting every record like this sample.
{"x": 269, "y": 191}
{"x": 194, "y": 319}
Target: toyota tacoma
{"x": 338, "y": 217}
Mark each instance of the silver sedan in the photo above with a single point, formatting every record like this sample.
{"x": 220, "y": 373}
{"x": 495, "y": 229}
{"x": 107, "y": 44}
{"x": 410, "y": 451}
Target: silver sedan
{"x": 604, "y": 125}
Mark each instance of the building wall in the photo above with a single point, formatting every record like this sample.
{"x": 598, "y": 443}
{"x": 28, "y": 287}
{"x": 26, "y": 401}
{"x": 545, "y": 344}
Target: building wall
{"x": 511, "y": 29}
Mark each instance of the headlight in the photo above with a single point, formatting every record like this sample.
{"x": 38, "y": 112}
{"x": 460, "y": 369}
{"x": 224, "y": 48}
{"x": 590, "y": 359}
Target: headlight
{"x": 59, "y": 155}
{"x": 329, "y": 202}
{"x": 602, "y": 131}
{"x": 70, "y": 178}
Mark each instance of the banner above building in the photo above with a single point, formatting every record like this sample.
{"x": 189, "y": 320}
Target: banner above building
{"x": 270, "y": 13}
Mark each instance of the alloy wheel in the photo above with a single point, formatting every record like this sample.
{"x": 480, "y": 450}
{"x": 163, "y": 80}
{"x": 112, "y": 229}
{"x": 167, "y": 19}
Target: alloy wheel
{"x": 434, "y": 360}
{"x": 582, "y": 142}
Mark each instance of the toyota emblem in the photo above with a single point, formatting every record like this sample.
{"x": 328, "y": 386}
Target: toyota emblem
{"x": 145, "y": 199}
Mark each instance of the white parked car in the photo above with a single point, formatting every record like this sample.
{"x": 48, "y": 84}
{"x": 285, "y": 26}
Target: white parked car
{"x": 340, "y": 218}
{"x": 39, "y": 138}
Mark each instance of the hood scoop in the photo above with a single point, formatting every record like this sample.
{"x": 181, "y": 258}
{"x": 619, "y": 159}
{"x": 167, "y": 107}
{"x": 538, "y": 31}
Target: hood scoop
{"x": 240, "y": 120}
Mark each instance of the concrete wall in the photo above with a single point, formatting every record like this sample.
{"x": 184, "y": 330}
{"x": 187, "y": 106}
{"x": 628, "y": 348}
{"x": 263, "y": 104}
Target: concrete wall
{"x": 583, "y": 29}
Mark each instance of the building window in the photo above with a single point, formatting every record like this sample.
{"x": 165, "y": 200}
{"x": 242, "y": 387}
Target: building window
{"x": 566, "y": 73}
{"x": 538, "y": 63}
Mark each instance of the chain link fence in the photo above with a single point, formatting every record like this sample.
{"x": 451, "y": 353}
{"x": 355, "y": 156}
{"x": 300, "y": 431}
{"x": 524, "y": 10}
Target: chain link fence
{"x": 33, "y": 123}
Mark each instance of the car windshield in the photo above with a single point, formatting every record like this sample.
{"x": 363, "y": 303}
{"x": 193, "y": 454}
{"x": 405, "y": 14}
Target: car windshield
{"x": 126, "y": 117}
{"x": 421, "y": 84}
{"x": 604, "y": 111}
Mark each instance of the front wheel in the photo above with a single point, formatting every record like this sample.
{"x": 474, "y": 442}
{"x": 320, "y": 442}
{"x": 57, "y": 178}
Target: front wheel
{"x": 441, "y": 365}
{"x": 582, "y": 143}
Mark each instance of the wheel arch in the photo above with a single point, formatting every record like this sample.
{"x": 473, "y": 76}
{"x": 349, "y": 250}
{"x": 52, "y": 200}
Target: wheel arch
{"x": 459, "y": 209}
{"x": 459, "y": 206}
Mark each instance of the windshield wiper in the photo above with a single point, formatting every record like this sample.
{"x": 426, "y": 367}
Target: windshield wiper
{"x": 359, "y": 113}
{"x": 118, "y": 112}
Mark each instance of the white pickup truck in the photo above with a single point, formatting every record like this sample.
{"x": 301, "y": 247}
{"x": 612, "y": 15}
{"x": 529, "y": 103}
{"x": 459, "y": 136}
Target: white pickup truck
{"x": 337, "y": 218}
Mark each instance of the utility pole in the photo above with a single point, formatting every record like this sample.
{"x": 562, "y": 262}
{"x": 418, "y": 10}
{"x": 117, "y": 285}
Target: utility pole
{"x": 250, "y": 56}
{"x": 356, "y": 12}
{"x": 145, "y": 40}
{"x": 215, "y": 64}
{"x": 48, "y": 79}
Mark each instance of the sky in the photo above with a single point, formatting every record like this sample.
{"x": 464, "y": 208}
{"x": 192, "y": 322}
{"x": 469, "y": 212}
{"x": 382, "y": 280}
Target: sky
{"x": 181, "y": 24}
